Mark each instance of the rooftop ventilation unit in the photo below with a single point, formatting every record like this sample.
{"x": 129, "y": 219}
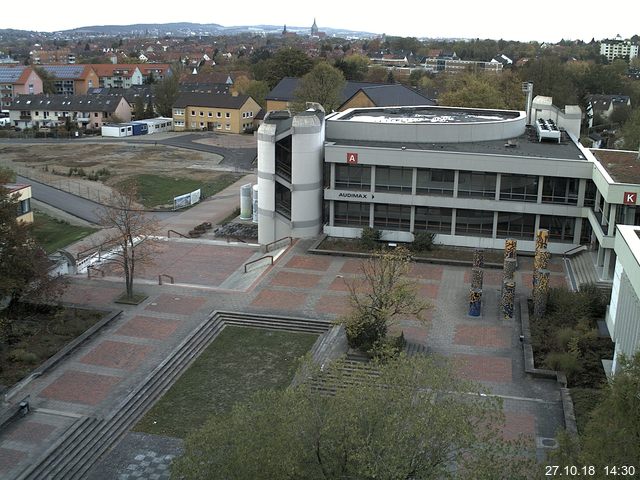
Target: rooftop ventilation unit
{"x": 547, "y": 130}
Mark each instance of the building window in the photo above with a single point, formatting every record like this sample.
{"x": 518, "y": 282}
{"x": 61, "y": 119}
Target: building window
{"x": 561, "y": 229}
{"x": 179, "y": 113}
{"x": 433, "y": 219}
{"x": 201, "y": 124}
{"x": 227, "y": 127}
{"x": 218, "y": 115}
{"x": 193, "y": 113}
{"x": 516, "y": 225}
{"x": 476, "y": 184}
{"x": 227, "y": 115}
{"x": 353, "y": 177}
{"x": 351, "y": 214}
{"x": 392, "y": 217}
{"x": 394, "y": 179}
{"x": 474, "y": 223}
{"x": 560, "y": 190}
{"x": 520, "y": 188}
{"x": 210, "y": 114}
{"x": 24, "y": 206}
{"x": 590, "y": 194}
{"x": 202, "y": 114}
{"x": 219, "y": 126}
{"x": 283, "y": 201}
{"x": 95, "y": 114}
{"x": 435, "y": 182}
{"x": 193, "y": 124}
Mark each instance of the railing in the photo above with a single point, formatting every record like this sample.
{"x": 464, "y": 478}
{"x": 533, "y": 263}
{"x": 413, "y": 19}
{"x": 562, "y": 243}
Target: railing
{"x": 237, "y": 239}
{"x": 257, "y": 260}
{"x": 573, "y": 250}
{"x": 165, "y": 275}
{"x": 268, "y": 245}
{"x": 177, "y": 233}
{"x": 91, "y": 267}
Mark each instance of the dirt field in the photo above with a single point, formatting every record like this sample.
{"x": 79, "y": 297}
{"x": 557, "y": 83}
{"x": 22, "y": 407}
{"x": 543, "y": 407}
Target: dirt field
{"x": 50, "y": 163}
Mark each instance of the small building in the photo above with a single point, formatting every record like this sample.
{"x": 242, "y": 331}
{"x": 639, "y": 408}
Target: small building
{"x": 158, "y": 125}
{"x": 214, "y": 112}
{"x": 604, "y": 105}
{"x": 140, "y": 128}
{"x": 154, "y": 72}
{"x": 23, "y": 191}
{"x": 117, "y": 130}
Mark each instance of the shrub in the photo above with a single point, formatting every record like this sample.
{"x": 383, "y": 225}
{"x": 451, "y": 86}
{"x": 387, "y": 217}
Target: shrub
{"x": 19, "y": 355}
{"x": 388, "y": 347}
{"x": 563, "y": 362}
{"x": 370, "y": 238}
{"x": 422, "y": 242}
{"x": 363, "y": 331}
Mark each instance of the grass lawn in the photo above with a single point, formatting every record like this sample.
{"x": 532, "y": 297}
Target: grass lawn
{"x": 54, "y": 234}
{"x": 38, "y": 333}
{"x": 159, "y": 191}
{"x": 238, "y": 363}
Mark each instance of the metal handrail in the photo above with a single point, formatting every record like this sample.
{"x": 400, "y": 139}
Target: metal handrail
{"x": 169, "y": 234}
{"x": 237, "y": 239}
{"x": 91, "y": 267}
{"x": 257, "y": 260}
{"x": 165, "y": 275}
{"x": 266, "y": 247}
{"x": 572, "y": 250}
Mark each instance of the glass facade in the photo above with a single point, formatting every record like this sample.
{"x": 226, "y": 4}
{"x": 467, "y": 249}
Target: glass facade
{"x": 521, "y": 188}
{"x": 392, "y": 217}
{"x": 474, "y": 223}
{"x": 353, "y": 177}
{"x": 283, "y": 200}
{"x": 560, "y": 190}
{"x": 590, "y": 194}
{"x": 561, "y": 229}
{"x": 283, "y": 158}
{"x": 433, "y": 219}
{"x": 394, "y": 179}
{"x": 477, "y": 184}
{"x": 435, "y": 181}
{"x": 516, "y": 225}
{"x": 351, "y": 214}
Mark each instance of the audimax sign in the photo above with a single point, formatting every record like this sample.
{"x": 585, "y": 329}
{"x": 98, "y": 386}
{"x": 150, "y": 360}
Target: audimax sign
{"x": 363, "y": 196}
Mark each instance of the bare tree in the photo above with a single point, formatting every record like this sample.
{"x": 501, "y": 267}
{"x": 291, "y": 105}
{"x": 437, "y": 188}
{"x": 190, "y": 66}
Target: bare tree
{"x": 130, "y": 233}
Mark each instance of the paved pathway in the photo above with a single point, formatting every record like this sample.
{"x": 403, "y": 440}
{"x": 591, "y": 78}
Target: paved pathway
{"x": 94, "y": 379}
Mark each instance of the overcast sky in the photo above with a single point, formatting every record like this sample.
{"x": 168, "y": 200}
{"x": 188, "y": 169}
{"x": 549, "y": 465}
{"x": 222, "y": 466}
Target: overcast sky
{"x": 511, "y": 20}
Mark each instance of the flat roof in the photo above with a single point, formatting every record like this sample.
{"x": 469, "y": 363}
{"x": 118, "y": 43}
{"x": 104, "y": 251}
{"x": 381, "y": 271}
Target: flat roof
{"x": 520, "y": 147}
{"x": 622, "y": 165}
{"x": 427, "y": 114}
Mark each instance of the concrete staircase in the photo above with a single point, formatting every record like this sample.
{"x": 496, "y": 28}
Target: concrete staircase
{"x": 582, "y": 271}
{"x": 71, "y": 457}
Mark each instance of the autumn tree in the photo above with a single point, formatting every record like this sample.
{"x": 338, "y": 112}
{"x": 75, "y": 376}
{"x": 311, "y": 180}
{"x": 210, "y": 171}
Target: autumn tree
{"x": 166, "y": 91}
{"x": 631, "y": 131}
{"x": 129, "y": 235}
{"x": 48, "y": 80}
{"x": 382, "y": 295}
{"x": 323, "y": 85}
{"x": 256, "y": 89}
{"x": 24, "y": 265}
{"x": 410, "y": 418}
{"x": 286, "y": 62}
{"x": 354, "y": 67}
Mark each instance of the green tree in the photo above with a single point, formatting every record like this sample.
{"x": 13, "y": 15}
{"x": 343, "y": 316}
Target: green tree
{"x": 165, "y": 93}
{"x": 383, "y": 293}
{"x": 377, "y": 74}
{"x": 354, "y": 67}
{"x": 631, "y": 131}
{"x": 413, "y": 419}
{"x": 138, "y": 108}
{"x": 324, "y": 85}
{"x": 149, "y": 112}
{"x": 287, "y": 62}
{"x": 48, "y": 80}
{"x": 612, "y": 433}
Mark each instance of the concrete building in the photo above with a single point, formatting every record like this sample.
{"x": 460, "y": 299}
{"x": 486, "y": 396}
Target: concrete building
{"x": 618, "y": 48}
{"x": 623, "y": 313}
{"x": 17, "y": 80}
{"x": 118, "y": 75}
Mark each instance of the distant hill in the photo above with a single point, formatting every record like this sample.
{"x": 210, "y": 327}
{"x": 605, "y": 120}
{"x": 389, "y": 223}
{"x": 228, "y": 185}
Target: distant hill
{"x": 181, "y": 29}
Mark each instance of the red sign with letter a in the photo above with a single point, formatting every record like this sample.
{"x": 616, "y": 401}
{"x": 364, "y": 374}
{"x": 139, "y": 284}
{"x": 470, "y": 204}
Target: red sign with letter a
{"x": 630, "y": 198}
{"x": 352, "y": 158}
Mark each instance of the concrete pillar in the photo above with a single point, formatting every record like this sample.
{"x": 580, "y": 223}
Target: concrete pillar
{"x": 453, "y": 218}
{"x": 540, "y": 186}
{"x": 612, "y": 219}
{"x": 582, "y": 188}
{"x": 414, "y": 181}
{"x": 494, "y": 229}
{"x": 498, "y": 183}
{"x": 606, "y": 264}
{"x": 372, "y": 189}
{"x": 456, "y": 179}
{"x": 332, "y": 176}
{"x": 577, "y": 231}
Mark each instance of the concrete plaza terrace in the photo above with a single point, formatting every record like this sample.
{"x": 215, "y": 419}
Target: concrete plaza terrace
{"x": 93, "y": 380}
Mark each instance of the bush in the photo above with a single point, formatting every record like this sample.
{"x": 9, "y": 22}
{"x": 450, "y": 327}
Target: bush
{"x": 19, "y": 355}
{"x": 422, "y": 242}
{"x": 370, "y": 238}
{"x": 388, "y": 347}
{"x": 363, "y": 331}
{"x": 565, "y": 362}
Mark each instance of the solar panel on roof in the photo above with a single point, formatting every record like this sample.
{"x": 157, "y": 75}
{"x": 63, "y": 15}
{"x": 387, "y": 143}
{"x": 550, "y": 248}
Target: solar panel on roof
{"x": 64, "y": 71}
{"x": 10, "y": 75}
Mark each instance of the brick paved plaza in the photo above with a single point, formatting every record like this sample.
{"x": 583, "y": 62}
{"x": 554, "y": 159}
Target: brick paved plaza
{"x": 95, "y": 378}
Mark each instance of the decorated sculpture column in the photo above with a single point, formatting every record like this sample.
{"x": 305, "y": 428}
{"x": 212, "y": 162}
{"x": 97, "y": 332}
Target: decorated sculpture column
{"x": 508, "y": 279}
{"x": 541, "y": 293}
{"x": 478, "y": 258}
{"x": 477, "y": 276}
{"x": 475, "y": 302}
{"x": 508, "y": 298}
